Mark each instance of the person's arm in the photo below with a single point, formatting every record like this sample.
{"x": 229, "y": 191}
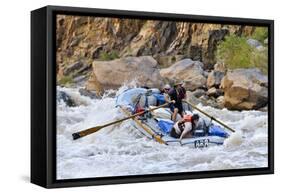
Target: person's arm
{"x": 167, "y": 98}
{"x": 186, "y": 130}
{"x": 183, "y": 134}
{"x": 171, "y": 93}
{"x": 184, "y": 90}
{"x": 181, "y": 121}
{"x": 177, "y": 126}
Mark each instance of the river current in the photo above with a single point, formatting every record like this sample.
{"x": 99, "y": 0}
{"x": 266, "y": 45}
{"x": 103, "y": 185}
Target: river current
{"x": 121, "y": 150}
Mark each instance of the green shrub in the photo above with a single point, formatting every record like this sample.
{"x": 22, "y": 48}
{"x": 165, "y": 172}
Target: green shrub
{"x": 235, "y": 52}
{"x": 105, "y": 56}
{"x": 173, "y": 59}
{"x": 66, "y": 80}
{"x": 114, "y": 54}
{"x": 260, "y": 34}
{"x": 260, "y": 60}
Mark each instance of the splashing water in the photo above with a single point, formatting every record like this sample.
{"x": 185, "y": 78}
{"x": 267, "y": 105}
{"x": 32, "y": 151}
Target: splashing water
{"x": 121, "y": 150}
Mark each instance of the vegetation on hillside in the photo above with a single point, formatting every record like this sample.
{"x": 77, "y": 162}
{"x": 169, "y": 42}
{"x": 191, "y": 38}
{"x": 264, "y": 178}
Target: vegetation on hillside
{"x": 106, "y": 56}
{"x": 260, "y": 34}
{"x": 65, "y": 80}
{"x": 235, "y": 52}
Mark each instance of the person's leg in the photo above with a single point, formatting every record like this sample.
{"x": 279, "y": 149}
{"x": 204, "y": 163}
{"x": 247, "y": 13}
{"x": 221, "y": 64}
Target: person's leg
{"x": 174, "y": 117}
{"x": 181, "y": 113}
{"x": 180, "y": 110}
{"x": 173, "y": 133}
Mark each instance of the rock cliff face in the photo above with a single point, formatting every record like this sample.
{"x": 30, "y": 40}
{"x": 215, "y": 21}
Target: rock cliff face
{"x": 101, "y": 53}
{"x": 87, "y": 38}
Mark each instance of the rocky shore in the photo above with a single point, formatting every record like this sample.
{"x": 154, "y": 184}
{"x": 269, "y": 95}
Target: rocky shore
{"x": 99, "y": 54}
{"x": 239, "y": 89}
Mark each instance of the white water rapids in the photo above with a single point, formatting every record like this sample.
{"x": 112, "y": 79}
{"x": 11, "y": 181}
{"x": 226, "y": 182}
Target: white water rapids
{"x": 121, "y": 150}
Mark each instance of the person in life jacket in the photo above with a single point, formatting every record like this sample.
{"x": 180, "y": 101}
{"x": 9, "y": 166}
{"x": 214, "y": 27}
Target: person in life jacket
{"x": 177, "y": 94}
{"x": 184, "y": 127}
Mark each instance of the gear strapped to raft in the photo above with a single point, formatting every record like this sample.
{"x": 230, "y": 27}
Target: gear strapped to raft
{"x": 137, "y": 103}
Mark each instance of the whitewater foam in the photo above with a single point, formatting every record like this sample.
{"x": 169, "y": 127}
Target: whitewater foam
{"x": 121, "y": 150}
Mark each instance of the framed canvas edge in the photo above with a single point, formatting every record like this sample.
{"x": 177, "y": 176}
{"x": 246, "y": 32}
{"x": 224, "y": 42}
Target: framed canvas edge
{"x": 38, "y": 157}
{"x": 52, "y": 182}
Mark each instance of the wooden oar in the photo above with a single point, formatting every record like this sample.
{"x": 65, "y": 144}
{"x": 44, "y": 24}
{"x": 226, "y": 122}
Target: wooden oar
{"x": 89, "y": 131}
{"x": 213, "y": 118}
{"x": 158, "y": 138}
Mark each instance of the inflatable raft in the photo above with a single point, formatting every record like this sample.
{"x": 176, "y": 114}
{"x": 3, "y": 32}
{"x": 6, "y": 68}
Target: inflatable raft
{"x": 157, "y": 124}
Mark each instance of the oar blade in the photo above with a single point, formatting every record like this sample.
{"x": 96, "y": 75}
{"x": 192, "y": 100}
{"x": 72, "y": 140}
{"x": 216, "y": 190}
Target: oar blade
{"x": 76, "y": 136}
{"x": 86, "y": 132}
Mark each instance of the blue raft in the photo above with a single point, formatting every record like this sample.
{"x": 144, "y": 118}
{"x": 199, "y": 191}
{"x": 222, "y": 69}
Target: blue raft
{"x": 155, "y": 127}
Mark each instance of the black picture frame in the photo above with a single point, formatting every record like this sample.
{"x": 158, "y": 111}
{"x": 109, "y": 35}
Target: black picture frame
{"x": 43, "y": 96}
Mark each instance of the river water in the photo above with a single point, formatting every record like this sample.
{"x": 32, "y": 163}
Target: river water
{"x": 121, "y": 150}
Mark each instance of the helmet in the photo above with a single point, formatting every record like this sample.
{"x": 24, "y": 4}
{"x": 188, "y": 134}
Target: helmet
{"x": 195, "y": 117}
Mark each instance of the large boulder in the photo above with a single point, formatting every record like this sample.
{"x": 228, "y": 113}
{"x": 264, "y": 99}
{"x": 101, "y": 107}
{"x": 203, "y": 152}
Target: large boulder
{"x": 245, "y": 89}
{"x": 75, "y": 73}
{"x": 64, "y": 97}
{"x": 214, "y": 92}
{"x": 113, "y": 74}
{"x": 199, "y": 92}
{"x": 90, "y": 94}
{"x": 220, "y": 67}
{"x": 220, "y": 101}
{"x": 191, "y": 98}
{"x": 204, "y": 100}
{"x": 168, "y": 60}
{"x": 189, "y": 71}
{"x": 73, "y": 67}
{"x": 214, "y": 79}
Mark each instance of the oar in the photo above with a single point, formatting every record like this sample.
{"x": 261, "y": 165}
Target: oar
{"x": 89, "y": 131}
{"x": 213, "y": 118}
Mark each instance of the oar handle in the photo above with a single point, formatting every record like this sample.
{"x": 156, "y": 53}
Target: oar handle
{"x": 213, "y": 118}
{"x": 91, "y": 130}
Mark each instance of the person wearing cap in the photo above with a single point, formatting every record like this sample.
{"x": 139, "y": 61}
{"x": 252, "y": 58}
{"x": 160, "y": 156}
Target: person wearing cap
{"x": 167, "y": 98}
{"x": 181, "y": 90}
{"x": 177, "y": 94}
{"x": 166, "y": 90}
{"x": 184, "y": 127}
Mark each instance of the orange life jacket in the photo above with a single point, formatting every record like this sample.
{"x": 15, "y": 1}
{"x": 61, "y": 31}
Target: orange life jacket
{"x": 187, "y": 118}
